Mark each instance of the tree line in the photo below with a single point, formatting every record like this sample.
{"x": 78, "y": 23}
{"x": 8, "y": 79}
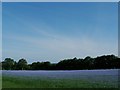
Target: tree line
{"x": 100, "y": 62}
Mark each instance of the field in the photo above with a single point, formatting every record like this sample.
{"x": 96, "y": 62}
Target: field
{"x": 0, "y": 79}
{"x": 61, "y": 79}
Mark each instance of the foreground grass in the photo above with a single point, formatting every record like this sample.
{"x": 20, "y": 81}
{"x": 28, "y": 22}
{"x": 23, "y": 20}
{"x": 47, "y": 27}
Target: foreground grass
{"x": 28, "y": 82}
{"x": 0, "y": 81}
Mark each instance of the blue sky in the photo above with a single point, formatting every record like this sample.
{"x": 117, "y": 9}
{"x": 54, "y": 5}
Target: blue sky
{"x": 55, "y": 31}
{"x": 1, "y": 31}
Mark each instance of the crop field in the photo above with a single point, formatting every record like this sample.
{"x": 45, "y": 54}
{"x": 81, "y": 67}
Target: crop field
{"x": 60, "y": 79}
{"x": 0, "y": 79}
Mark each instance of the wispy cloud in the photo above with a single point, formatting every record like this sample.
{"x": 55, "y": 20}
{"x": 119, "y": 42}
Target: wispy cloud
{"x": 40, "y": 40}
{"x": 60, "y": 48}
{"x": 55, "y": 46}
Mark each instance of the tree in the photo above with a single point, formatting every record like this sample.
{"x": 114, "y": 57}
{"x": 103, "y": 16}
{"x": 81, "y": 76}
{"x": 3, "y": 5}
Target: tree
{"x": 88, "y": 63}
{"x": 22, "y": 64}
{"x": 35, "y": 66}
{"x": 100, "y": 62}
{"x": 15, "y": 65}
{"x": 8, "y": 64}
{"x": 0, "y": 65}
{"x": 46, "y": 65}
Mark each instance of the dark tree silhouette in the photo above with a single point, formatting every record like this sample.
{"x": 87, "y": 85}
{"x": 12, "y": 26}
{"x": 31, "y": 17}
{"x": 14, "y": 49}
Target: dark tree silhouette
{"x": 101, "y": 62}
{"x": 8, "y": 64}
{"x": 0, "y": 65}
{"x": 22, "y": 64}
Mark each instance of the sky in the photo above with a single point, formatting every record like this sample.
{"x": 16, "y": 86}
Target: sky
{"x": 49, "y": 31}
{"x": 0, "y": 31}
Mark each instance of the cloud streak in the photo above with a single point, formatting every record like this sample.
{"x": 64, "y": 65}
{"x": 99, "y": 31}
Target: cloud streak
{"x": 38, "y": 36}
{"x": 56, "y": 49}
{"x": 53, "y": 46}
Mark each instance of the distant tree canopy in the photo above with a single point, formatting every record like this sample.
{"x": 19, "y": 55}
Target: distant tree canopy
{"x": 8, "y": 64}
{"x": 101, "y": 62}
{"x": 22, "y": 64}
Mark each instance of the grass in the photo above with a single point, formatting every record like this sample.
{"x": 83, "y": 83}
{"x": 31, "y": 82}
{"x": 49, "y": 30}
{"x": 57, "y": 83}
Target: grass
{"x": 0, "y": 81}
{"x": 28, "y": 82}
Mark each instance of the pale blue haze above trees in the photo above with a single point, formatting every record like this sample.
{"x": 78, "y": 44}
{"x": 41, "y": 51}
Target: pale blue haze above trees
{"x": 52, "y": 31}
